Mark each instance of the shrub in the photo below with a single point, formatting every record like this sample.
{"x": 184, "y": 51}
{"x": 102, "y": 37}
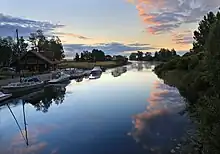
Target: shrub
{"x": 183, "y": 63}
{"x": 193, "y": 61}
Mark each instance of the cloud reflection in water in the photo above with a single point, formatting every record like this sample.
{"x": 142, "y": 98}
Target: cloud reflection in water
{"x": 17, "y": 145}
{"x": 160, "y": 124}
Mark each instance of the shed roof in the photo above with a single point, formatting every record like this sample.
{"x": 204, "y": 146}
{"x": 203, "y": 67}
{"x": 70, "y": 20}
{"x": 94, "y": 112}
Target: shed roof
{"x": 41, "y": 56}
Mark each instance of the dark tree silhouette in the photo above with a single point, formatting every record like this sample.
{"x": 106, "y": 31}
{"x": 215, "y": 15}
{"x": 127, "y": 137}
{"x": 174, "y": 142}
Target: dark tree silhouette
{"x": 76, "y": 57}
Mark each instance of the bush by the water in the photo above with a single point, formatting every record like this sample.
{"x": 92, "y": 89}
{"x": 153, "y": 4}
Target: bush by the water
{"x": 197, "y": 75}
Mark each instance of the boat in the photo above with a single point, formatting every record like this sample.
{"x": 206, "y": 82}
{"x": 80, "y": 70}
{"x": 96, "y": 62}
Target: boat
{"x": 95, "y": 73}
{"x": 87, "y": 72}
{"x": 59, "y": 77}
{"x": 4, "y": 96}
{"x": 25, "y": 84}
{"x": 77, "y": 73}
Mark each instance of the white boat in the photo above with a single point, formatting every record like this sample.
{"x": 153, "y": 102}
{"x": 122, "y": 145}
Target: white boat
{"x": 59, "y": 77}
{"x": 87, "y": 72}
{"x": 95, "y": 73}
{"x": 77, "y": 73}
{"x": 26, "y": 84}
{"x": 4, "y": 96}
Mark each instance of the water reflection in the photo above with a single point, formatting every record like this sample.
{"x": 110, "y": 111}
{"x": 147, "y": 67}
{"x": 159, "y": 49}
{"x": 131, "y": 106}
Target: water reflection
{"x": 160, "y": 124}
{"x": 87, "y": 122}
{"x": 81, "y": 79}
{"x": 42, "y": 100}
{"x": 119, "y": 71}
{"x": 140, "y": 66}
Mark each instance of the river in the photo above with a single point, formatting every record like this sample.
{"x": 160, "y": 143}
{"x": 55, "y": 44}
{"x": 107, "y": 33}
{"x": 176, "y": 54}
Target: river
{"x": 132, "y": 112}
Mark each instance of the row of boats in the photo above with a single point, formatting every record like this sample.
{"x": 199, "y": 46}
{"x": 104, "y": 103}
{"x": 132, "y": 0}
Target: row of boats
{"x": 34, "y": 82}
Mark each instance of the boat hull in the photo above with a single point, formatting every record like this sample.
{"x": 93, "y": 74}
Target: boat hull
{"x": 5, "y": 97}
{"x": 75, "y": 76}
{"x": 59, "y": 80}
{"x": 22, "y": 89}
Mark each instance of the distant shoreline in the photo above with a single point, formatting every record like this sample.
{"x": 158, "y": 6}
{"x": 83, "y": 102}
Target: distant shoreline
{"x": 90, "y": 65}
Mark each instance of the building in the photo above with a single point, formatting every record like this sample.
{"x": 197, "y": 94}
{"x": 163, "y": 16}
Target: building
{"x": 36, "y": 61}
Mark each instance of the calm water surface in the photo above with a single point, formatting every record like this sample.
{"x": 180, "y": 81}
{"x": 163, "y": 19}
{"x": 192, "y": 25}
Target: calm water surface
{"x": 128, "y": 113}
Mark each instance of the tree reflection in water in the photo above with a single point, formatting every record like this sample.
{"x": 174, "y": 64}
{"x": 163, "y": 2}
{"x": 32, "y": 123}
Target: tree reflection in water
{"x": 81, "y": 79}
{"x": 141, "y": 65}
{"x": 119, "y": 71}
{"x": 43, "y": 100}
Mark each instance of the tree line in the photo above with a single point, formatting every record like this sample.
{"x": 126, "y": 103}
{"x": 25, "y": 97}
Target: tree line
{"x": 162, "y": 55}
{"x": 11, "y": 49}
{"x": 98, "y": 55}
{"x": 197, "y": 75}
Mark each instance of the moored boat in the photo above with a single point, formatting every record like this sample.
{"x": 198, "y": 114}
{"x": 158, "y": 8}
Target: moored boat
{"x": 25, "y": 84}
{"x": 4, "y": 96}
{"x": 95, "y": 73}
{"x": 87, "y": 72}
{"x": 59, "y": 77}
{"x": 76, "y": 73}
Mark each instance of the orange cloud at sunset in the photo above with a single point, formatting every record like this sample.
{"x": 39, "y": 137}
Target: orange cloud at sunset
{"x": 142, "y": 11}
{"x": 183, "y": 38}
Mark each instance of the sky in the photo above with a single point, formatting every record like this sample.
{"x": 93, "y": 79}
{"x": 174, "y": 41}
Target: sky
{"x": 115, "y": 26}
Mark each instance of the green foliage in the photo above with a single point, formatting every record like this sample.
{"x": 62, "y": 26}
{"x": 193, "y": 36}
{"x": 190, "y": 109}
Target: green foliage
{"x": 95, "y": 55}
{"x": 139, "y": 55}
{"x": 9, "y": 50}
{"x": 77, "y": 57}
{"x": 202, "y": 33}
{"x": 54, "y": 45}
{"x": 182, "y": 64}
{"x": 133, "y": 56}
{"x": 41, "y": 43}
{"x": 98, "y": 55}
{"x": 120, "y": 59}
{"x": 108, "y": 57}
{"x": 200, "y": 84}
{"x": 162, "y": 55}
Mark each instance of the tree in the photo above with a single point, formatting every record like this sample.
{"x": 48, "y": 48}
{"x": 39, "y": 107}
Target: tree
{"x": 133, "y": 56}
{"x": 140, "y": 55}
{"x": 42, "y": 42}
{"x": 156, "y": 57}
{"x": 108, "y": 57}
{"x": 98, "y": 55}
{"x": 173, "y": 52}
{"x": 121, "y": 59}
{"x": 5, "y": 51}
{"x": 147, "y": 56}
{"x": 39, "y": 42}
{"x": 55, "y": 45}
{"x": 88, "y": 55}
{"x": 82, "y": 56}
{"x": 23, "y": 45}
{"x": 201, "y": 35}
{"x": 77, "y": 57}
{"x": 33, "y": 40}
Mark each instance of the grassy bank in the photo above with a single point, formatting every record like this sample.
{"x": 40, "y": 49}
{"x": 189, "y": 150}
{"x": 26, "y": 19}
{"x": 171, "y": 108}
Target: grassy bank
{"x": 90, "y": 65}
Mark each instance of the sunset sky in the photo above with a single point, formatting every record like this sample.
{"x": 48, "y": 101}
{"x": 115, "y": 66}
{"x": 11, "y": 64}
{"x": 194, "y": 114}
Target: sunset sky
{"x": 115, "y": 26}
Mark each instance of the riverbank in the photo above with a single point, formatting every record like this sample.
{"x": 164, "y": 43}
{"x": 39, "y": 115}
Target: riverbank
{"x": 6, "y": 78}
{"x": 196, "y": 77}
{"x": 90, "y": 65}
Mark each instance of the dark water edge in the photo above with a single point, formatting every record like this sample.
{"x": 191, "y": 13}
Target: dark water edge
{"x": 130, "y": 112}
